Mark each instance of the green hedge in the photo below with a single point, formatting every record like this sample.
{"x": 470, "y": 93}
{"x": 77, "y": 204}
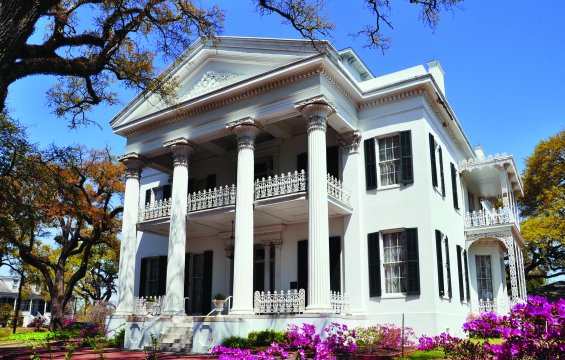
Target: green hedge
{"x": 254, "y": 339}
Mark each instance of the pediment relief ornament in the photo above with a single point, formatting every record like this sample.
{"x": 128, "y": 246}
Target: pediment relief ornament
{"x": 209, "y": 82}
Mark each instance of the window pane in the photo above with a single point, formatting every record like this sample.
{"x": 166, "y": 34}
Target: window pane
{"x": 484, "y": 277}
{"x": 389, "y": 155}
{"x": 394, "y": 263}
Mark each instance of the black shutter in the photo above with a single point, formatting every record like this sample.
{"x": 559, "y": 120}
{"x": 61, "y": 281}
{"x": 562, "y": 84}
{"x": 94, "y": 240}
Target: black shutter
{"x": 302, "y": 162}
{"x": 332, "y": 161}
{"x": 454, "y": 186}
{"x": 448, "y": 268}
{"x": 335, "y": 268}
{"x": 207, "y": 282}
{"x": 412, "y": 262}
{"x": 466, "y": 270}
{"x": 370, "y": 164}
{"x": 186, "y": 280}
{"x": 433, "y": 159}
{"x": 406, "y": 169}
{"x": 162, "y": 286}
{"x": 167, "y": 192}
{"x": 302, "y": 279}
{"x": 439, "y": 264}
{"x": 211, "y": 181}
{"x": 143, "y": 278}
{"x": 374, "y": 264}
{"x": 460, "y": 272}
{"x": 441, "y": 172}
{"x": 147, "y": 196}
{"x": 190, "y": 186}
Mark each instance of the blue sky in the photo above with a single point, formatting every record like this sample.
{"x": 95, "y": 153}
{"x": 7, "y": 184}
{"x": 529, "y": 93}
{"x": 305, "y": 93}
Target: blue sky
{"x": 503, "y": 62}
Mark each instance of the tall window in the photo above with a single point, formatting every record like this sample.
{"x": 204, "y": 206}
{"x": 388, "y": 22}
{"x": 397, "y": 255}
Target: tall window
{"x": 394, "y": 262}
{"x": 389, "y": 160}
{"x": 15, "y": 284}
{"x": 471, "y": 200}
{"x": 153, "y": 277}
{"x": 197, "y": 282}
{"x": 484, "y": 276}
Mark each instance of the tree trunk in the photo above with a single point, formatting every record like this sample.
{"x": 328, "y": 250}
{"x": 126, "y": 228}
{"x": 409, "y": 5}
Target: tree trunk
{"x": 57, "y": 314}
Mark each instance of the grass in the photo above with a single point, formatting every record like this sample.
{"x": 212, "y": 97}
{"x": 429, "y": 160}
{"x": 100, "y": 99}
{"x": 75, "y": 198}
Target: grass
{"x": 6, "y": 331}
{"x": 492, "y": 341}
{"x": 24, "y": 336}
{"x": 418, "y": 355}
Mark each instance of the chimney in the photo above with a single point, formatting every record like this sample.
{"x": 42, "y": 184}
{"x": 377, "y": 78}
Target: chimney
{"x": 437, "y": 72}
{"x": 479, "y": 151}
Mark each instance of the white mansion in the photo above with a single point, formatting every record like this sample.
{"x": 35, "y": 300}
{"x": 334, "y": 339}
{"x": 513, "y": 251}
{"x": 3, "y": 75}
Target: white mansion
{"x": 358, "y": 196}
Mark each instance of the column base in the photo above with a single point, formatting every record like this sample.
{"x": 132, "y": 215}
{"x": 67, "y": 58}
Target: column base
{"x": 242, "y": 312}
{"x": 318, "y": 309}
{"x": 122, "y": 313}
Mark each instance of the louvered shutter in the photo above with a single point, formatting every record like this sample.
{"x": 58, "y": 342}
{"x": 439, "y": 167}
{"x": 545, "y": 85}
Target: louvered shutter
{"x": 167, "y": 192}
{"x": 335, "y": 268}
{"x": 162, "y": 286}
{"x": 370, "y": 164}
{"x": 302, "y": 270}
{"x": 186, "y": 280}
{"x": 302, "y": 162}
{"x": 211, "y": 181}
{"x": 439, "y": 264}
{"x": 466, "y": 271}
{"x": 448, "y": 268}
{"x": 454, "y": 186}
{"x": 433, "y": 160}
{"x": 147, "y": 196}
{"x": 191, "y": 186}
{"x": 406, "y": 168}
{"x": 460, "y": 273}
{"x": 412, "y": 262}
{"x": 374, "y": 264}
{"x": 207, "y": 282}
{"x": 143, "y": 278}
{"x": 332, "y": 161}
{"x": 441, "y": 172}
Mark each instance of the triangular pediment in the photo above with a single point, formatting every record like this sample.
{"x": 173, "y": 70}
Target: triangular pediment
{"x": 203, "y": 70}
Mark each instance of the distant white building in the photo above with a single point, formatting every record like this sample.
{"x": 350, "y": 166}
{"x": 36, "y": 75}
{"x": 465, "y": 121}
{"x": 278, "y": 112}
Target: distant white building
{"x": 338, "y": 182}
{"x": 31, "y": 306}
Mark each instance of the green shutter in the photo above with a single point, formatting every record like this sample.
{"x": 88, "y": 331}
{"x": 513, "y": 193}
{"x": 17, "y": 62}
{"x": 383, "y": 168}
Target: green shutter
{"x": 302, "y": 270}
{"x": 406, "y": 166}
{"x": 147, "y": 196}
{"x": 191, "y": 186}
{"x": 143, "y": 278}
{"x": 186, "y": 281}
{"x": 335, "y": 266}
{"x": 448, "y": 268}
{"x": 162, "y": 286}
{"x": 433, "y": 160}
{"x": 207, "y": 282}
{"x": 454, "y": 186}
{"x": 302, "y": 162}
{"x": 439, "y": 264}
{"x": 370, "y": 164}
{"x": 374, "y": 264}
{"x": 167, "y": 192}
{"x": 466, "y": 270}
{"x": 332, "y": 161}
{"x": 460, "y": 273}
{"x": 412, "y": 262}
{"x": 441, "y": 172}
{"x": 211, "y": 181}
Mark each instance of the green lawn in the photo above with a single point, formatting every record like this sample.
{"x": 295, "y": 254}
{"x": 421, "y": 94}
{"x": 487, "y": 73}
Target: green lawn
{"x": 493, "y": 341}
{"x": 5, "y": 331}
{"x": 424, "y": 355}
{"x": 25, "y": 336}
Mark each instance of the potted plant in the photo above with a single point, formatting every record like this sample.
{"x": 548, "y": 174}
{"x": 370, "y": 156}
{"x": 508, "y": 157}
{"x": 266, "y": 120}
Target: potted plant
{"x": 149, "y": 304}
{"x": 219, "y": 300}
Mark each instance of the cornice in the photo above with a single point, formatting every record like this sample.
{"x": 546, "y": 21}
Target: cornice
{"x": 393, "y": 97}
{"x": 340, "y": 88}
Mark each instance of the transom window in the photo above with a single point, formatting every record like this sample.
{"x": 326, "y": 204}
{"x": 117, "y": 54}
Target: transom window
{"x": 153, "y": 277}
{"x": 389, "y": 160}
{"x": 394, "y": 262}
{"x": 484, "y": 276}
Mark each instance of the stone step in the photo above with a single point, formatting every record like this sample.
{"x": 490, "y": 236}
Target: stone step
{"x": 179, "y": 331}
{"x": 185, "y": 324}
{"x": 182, "y": 336}
{"x": 176, "y": 341}
{"x": 177, "y": 348}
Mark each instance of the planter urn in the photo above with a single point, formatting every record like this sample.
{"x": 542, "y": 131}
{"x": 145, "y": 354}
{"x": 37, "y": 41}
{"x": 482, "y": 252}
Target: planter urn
{"x": 219, "y": 304}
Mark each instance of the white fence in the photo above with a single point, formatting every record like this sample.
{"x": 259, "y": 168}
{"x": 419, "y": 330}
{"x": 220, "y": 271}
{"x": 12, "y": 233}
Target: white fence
{"x": 280, "y": 303}
{"x": 210, "y": 199}
{"x": 341, "y": 303}
{"x": 142, "y": 307}
{"x": 495, "y": 306}
{"x": 338, "y": 190}
{"x": 154, "y": 210}
{"x": 280, "y": 185}
{"x": 488, "y": 218}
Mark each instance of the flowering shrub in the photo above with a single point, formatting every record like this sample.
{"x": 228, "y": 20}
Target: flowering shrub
{"x": 37, "y": 322}
{"x": 69, "y": 322}
{"x": 385, "y": 336}
{"x": 93, "y": 331}
{"x": 340, "y": 340}
{"x": 304, "y": 339}
{"x": 534, "y": 330}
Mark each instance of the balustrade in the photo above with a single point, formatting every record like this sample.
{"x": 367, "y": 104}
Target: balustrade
{"x": 155, "y": 210}
{"x": 279, "y": 302}
{"x": 492, "y": 305}
{"x": 143, "y": 307}
{"x": 210, "y": 199}
{"x": 487, "y": 218}
{"x": 338, "y": 190}
{"x": 280, "y": 185}
{"x": 341, "y": 303}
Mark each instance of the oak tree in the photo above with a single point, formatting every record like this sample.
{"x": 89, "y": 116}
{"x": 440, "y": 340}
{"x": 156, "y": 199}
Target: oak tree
{"x": 90, "y": 44}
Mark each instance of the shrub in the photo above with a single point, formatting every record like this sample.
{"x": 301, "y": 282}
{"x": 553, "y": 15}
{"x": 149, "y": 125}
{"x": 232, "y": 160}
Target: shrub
{"x": 6, "y": 315}
{"x": 219, "y": 296}
{"x": 119, "y": 338}
{"x": 265, "y": 337}
{"x": 98, "y": 312}
{"x": 340, "y": 339}
{"x": 69, "y": 321}
{"x": 91, "y": 331}
{"x": 386, "y": 336}
{"x": 37, "y": 322}
{"x": 236, "y": 342}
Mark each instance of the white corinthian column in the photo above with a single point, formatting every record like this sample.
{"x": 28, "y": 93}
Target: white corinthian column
{"x": 134, "y": 163}
{"x": 316, "y": 111}
{"x": 245, "y": 130}
{"x": 182, "y": 149}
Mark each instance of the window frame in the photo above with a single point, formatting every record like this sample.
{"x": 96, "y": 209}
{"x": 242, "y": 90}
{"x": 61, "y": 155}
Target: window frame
{"x": 491, "y": 275}
{"x": 150, "y": 261}
{"x": 378, "y": 161}
{"x": 384, "y": 293}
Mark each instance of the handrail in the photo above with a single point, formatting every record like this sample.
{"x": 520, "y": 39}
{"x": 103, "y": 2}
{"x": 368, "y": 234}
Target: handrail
{"x": 154, "y": 320}
{"x": 229, "y": 306}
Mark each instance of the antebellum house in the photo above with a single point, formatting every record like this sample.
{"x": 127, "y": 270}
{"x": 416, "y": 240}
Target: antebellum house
{"x": 31, "y": 306}
{"x": 352, "y": 198}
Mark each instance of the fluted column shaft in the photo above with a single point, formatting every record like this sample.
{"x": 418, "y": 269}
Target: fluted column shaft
{"x": 278, "y": 244}
{"x": 182, "y": 149}
{"x": 245, "y": 130}
{"x": 316, "y": 113}
{"x": 267, "y": 276}
{"x": 128, "y": 248}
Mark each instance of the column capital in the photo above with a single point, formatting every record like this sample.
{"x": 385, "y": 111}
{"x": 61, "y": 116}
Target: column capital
{"x": 266, "y": 243}
{"x": 181, "y": 148}
{"x": 316, "y": 111}
{"x": 277, "y": 244}
{"x": 349, "y": 141}
{"x": 134, "y": 163}
{"x": 246, "y": 130}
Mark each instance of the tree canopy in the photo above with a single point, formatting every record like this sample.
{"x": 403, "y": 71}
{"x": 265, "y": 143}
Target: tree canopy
{"x": 90, "y": 44}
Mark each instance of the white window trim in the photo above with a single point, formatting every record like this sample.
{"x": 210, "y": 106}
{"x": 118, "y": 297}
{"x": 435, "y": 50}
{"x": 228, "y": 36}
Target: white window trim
{"x": 384, "y": 136}
{"x": 444, "y": 264}
{"x": 438, "y": 169}
{"x": 384, "y": 294}
{"x": 491, "y": 273}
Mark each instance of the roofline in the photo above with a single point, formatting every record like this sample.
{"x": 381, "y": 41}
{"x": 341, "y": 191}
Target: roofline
{"x": 358, "y": 59}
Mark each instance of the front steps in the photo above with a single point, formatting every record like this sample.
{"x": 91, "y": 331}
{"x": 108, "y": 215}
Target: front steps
{"x": 177, "y": 338}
